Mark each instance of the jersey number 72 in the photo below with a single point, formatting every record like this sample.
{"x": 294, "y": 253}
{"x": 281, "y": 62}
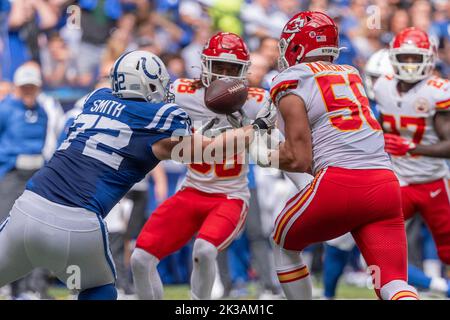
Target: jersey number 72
{"x": 111, "y": 135}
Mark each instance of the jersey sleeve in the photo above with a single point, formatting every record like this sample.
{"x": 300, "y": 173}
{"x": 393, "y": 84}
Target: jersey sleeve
{"x": 256, "y": 99}
{"x": 181, "y": 124}
{"x": 443, "y": 98}
{"x": 170, "y": 120}
{"x": 284, "y": 84}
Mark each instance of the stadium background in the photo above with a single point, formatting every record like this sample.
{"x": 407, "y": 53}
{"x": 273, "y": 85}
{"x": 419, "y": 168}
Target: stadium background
{"x": 75, "y": 47}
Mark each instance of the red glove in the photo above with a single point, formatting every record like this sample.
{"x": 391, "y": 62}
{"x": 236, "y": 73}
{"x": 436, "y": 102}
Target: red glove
{"x": 397, "y": 145}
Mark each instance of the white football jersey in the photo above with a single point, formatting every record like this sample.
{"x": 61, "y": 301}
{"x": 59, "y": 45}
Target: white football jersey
{"x": 344, "y": 130}
{"x": 229, "y": 178}
{"x": 410, "y": 115}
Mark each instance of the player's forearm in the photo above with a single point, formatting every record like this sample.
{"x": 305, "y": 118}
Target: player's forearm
{"x": 438, "y": 150}
{"x": 201, "y": 149}
{"x": 287, "y": 158}
{"x": 230, "y": 142}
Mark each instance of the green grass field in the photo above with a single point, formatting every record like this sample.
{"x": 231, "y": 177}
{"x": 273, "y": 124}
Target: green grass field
{"x": 181, "y": 292}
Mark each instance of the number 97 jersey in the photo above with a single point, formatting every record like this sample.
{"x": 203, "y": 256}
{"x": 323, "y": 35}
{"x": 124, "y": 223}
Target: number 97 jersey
{"x": 411, "y": 115}
{"x": 343, "y": 128}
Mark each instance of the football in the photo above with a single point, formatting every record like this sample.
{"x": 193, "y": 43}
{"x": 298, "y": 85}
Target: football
{"x": 225, "y": 96}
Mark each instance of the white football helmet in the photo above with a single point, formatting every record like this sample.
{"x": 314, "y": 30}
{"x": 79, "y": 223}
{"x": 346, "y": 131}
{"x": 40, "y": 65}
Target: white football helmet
{"x": 141, "y": 75}
{"x": 378, "y": 65}
{"x": 412, "y": 41}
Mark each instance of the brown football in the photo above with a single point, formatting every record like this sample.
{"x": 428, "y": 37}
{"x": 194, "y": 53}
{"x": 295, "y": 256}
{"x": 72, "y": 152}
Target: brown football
{"x": 225, "y": 96}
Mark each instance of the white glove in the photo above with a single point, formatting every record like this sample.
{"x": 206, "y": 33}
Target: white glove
{"x": 258, "y": 150}
{"x": 206, "y": 129}
{"x": 238, "y": 119}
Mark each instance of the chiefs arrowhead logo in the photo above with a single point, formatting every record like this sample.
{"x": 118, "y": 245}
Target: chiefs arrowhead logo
{"x": 294, "y": 25}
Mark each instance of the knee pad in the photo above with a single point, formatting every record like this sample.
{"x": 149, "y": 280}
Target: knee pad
{"x": 398, "y": 290}
{"x": 204, "y": 251}
{"x": 106, "y": 292}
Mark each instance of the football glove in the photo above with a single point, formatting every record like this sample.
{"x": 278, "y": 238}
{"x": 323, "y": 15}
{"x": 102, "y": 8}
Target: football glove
{"x": 266, "y": 117}
{"x": 396, "y": 145}
{"x": 238, "y": 119}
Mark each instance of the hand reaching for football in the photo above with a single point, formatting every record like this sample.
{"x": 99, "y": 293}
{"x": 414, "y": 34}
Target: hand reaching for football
{"x": 238, "y": 119}
{"x": 265, "y": 119}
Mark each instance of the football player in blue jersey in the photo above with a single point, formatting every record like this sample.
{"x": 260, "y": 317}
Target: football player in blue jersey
{"x": 121, "y": 134}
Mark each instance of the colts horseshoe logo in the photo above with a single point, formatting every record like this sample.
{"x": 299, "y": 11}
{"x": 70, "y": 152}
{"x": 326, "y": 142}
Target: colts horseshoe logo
{"x": 148, "y": 74}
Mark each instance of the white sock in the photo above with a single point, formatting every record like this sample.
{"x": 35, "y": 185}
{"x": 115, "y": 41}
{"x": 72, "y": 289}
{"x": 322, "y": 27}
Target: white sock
{"x": 145, "y": 275}
{"x": 439, "y": 284}
{"x": 203, "y": 275}
{"x": 293, "y": 274}
{"x": 398, "y": 290}
{"x": 432, "y": 268}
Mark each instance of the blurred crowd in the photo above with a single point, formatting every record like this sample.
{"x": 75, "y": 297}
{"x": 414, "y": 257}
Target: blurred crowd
{"x": 68, "y": 48}
{"x": 73, "y": 41}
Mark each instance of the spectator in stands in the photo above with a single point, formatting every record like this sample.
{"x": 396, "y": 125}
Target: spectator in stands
{"x": 286, "y": 9}
{"x": 146, "y": 39}
{"x": 5, "y": 89}
{"x": 98, "y": 18}
{"x": 57, "y": 65}
{"x": 269, "y": 50}
{"x": 26, "y": 19}
{"x": 175, "y": 66}
{"x": 258, "y": 24}
{"x": 29, "y": 122}
{"x": 117, "y": 44}
{"x": 191, "y": 53}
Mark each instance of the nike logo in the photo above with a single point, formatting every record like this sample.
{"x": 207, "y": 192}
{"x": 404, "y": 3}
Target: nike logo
{"x": 434, "y": 194}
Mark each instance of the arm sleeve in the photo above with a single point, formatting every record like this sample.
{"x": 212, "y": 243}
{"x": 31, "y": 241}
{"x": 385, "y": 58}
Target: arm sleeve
{"x": 285, "y": 83}
{"x": 176, "y": 123}
{"x": 443, "y": 99}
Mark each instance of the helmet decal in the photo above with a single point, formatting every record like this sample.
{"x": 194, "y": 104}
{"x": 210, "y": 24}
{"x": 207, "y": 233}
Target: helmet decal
{"x": 294, "y": 25}
{"x": 148, "y": 74}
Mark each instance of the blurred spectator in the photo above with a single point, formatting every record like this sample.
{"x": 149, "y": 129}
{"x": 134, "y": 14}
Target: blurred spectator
{"x": 175, "y": 66}
{"x": 399, "y": 20}
{"x": 26, "y": 19}
{"x": 269, "y": 50}
{"x": 57, "y": 67}
{"x": 225, "y": 15}
{"x": 98, "y": 18}
{"x": 116, "y": 46}
{"x": 5, "y": 89}
{"x": 420, "y": 13}
{"x": 258, "y": 24}
{"x": 146, "y": 38}
{"x": 258, "y": 69}
{"x": 29, "y": 122}
{"x": 286, "y": 9}
{"x": 191, "y": 53}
